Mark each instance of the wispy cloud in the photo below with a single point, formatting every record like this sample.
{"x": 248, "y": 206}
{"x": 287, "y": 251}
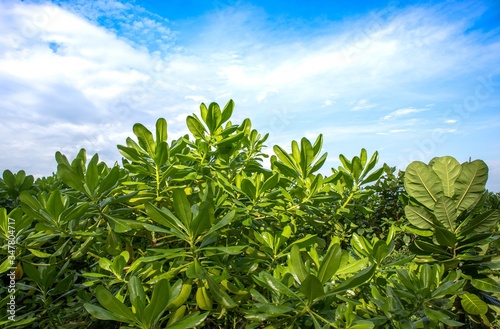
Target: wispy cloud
{"x": 362, "y": 104}
{"x": 403, "y": 112}
{"x": 84, "y": 71}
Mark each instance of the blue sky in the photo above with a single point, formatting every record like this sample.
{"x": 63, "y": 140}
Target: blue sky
{"x": 411, "y": 79}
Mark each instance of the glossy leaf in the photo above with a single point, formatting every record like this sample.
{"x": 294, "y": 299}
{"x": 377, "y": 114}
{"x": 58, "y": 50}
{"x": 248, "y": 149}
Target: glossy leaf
{"x": 145, "y": 138}
{"x": 422, "y": 183}
{"x": 311, "y": 287}
{"x": 473, "y": 304}
{"x": 182, "y": 206}
{"x": 448, "y": 169}
{"x": 419, "y": 217}
{"x": 195, "y": 127}
{"x": 470, "y": 184}
{"x": 112, "y": 304}
{"x": 158, "y": 303}
{"x": 330, "y": 263}
{"x": 161, "y": 130}
{"x": 297, "y": 263}
{"x": 137, "y": 295}
{"x": 486, "y": 284}
{"x": 445, "y": 212}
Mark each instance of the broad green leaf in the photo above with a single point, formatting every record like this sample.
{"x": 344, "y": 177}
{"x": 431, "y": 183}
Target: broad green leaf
{"x": 312, "y": 288}
{"x": 33, "y": 273}
{"x": 219, "y": 295}
{"x": 361, "y": 245}
{"x": 69, "y": 177}
{"x": 9, "y": 178}
{"x": 5, "y": 266}
{"x": 307, "y": 155}
{"x": 470, "y": 184}
{"x": 448, "y": 288}
{"x": 117, "y": 224}
{"x": 109, "y": 181}
{"x": 248, "y": 187}
{"x": 113, "y": 243}
{"x": 380, "y": 251}
{"x": 112, "y": 304}
{"x": 318, "y": 144}
{"x": 486, "y": 284}
{"x": 276, "y": 285}
{"x": 434, "y": 315}
{"x": 162, "y": 154}
{"x": 129, "y": 153}
{"x": 92, "y": 174}
{"x": 330, "y": 263}
{"x": 232, "y": 250}
{"x": 285, "y": 158}
{"x": 164, "y": 217}
{"x": 473, "y": 304}
{"x": 227, "y": 112}
{"x": 196, "y": 127}
{"x": 297, "y": 264}
{"x": 102, "y": 314}
{"x": 444, "y": 237}
{"x": 448, "y": 169}
{"x": 362, "y": 277}
{"x": 161, "y": 130}
{"x": 318, "y": 164}
{"x": 445, "y": 212}
{"x": 192, "y": 320}
{"x": 353, "y": 267}
{"x": 373, "y": 176}
{"x": 203, "y": 112}
{"x": 145, "y": 138}
{"x": 296, "y": 154}
{"x": 479, "y": 223}
{"x": 356, "y": 168}
{"x": 182, "y": 206}
{"x": 223, "y": 222}
{"x": 363, "y": 157}
{"x": 452, "y": 323}
{"x": 39, "y": 253}
{"x": 422, "y": 183}
{"x": 158, "y": 303}
{"x": 204, "y": 219}
{"x": 55, "y": 205}
{"x": 214, "y": 117}
{"x": 137, "y": 295}
{"x": 371, "y": 164}
{"x": 362, "y": 324}
{"x": 419, "y": 217}
{"x": 346, "y": 163}
{"x": 271, "y": 182}
{"x": 229, "y": 141}
{"x": 429, "y": 248}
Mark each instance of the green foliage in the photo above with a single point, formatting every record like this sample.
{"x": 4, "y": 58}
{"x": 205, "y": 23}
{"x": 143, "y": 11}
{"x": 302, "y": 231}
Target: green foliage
{"x": 200, "y": 232}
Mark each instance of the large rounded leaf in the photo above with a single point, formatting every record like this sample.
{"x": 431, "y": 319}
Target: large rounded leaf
{"x": 422, "y": 183}
{"x": 419, "y": 217}
{"x": 448, "y": 169}
{"x": 446, "y": 213}
{"x": 470, "y": 184}
{"x": 473, "y": 304}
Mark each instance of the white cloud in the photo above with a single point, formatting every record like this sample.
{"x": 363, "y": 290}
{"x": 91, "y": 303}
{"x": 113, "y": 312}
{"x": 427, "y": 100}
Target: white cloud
{"x": 403, "y": 112}
{"x": 362, "y": 104}
{"x": 61, "y": 69}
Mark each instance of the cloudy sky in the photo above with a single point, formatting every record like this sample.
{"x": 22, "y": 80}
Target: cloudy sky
{"x": 411, "y": 79}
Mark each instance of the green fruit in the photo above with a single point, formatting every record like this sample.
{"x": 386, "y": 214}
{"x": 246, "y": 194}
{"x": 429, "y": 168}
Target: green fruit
{"x": 182, "y": 297}
{"x": 203, "y": 299}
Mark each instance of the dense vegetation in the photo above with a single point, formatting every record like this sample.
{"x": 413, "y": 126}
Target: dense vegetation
{"x": 202, "y": 232}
